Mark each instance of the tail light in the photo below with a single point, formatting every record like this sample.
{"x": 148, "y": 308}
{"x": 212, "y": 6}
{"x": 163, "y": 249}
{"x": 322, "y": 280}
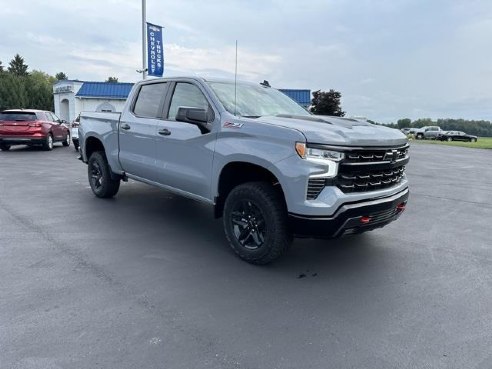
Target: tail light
{"x": 35, "y": 124}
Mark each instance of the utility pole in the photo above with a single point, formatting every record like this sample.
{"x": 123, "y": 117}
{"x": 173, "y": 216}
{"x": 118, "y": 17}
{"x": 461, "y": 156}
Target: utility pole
{"x": 144, "y": 44}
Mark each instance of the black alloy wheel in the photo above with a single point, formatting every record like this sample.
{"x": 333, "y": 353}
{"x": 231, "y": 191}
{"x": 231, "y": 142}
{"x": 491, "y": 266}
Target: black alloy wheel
{"x": 248, "y": 224}
{"x": 255, "y": 222}
{"x": 96, "y": 176}
{"x": 100, "y": 180}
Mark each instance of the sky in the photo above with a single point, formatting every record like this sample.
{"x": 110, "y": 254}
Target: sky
{"x": 390, "y": 59}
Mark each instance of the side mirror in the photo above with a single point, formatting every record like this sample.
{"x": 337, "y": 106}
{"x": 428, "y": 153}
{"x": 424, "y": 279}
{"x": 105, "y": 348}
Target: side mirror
{"x": 196, "y": 116}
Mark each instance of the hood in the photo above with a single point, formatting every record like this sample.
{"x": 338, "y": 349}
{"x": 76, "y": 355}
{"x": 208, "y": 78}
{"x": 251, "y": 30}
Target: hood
{"x": 330, "y": 130}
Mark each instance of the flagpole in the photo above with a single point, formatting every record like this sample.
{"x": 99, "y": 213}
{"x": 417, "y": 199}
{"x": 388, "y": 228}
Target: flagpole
{"x": 144, "y": 11}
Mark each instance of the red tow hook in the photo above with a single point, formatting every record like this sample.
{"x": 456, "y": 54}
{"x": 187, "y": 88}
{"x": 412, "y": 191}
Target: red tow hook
{"x": 401, "y": 207}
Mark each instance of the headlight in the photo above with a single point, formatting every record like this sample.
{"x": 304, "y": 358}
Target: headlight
{"x": 309, "y": 152}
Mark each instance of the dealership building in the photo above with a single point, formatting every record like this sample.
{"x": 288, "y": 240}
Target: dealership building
{"x": 72, "y": 97}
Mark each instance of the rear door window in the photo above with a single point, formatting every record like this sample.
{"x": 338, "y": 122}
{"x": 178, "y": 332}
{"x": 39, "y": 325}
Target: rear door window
{"x": 49, "y": 118}
{"x": 150, "y": 99}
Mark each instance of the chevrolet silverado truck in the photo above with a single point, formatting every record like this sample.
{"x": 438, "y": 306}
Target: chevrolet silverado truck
{"x": 428, "y": 132}
{"x": 269, "y": 168}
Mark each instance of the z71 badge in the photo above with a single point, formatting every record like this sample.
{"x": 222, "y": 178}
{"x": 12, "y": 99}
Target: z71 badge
{"x": 232, "y": 125}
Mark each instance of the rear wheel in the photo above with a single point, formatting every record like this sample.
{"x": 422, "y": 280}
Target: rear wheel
{"x": 473, "y": 140}
{"x": 419, "y": 136}
{"x": 67, "y": 140}
{"x": 4, "y": 147}
{"x": 48, "y": 143}
{"x": 255, "y": 222}
{"x": 450, "y": 139}
{"x": 99, "y": 174}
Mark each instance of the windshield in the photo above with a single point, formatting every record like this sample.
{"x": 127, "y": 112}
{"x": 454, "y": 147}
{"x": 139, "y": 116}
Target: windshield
{"x": 255, "y": 101}
{"x": 18, "y": 116}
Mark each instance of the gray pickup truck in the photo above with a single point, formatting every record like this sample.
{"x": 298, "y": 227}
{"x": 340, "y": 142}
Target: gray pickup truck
{"x": 271, "y": 170}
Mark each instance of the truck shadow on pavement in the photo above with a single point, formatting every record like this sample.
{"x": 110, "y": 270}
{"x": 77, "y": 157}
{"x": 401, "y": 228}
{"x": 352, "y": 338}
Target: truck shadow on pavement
{"x": 181, "y": 226}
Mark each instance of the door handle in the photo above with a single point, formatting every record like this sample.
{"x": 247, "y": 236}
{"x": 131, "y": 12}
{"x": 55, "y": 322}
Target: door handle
{"x": 125, "y": 126}
{"x": 164, "y": 132}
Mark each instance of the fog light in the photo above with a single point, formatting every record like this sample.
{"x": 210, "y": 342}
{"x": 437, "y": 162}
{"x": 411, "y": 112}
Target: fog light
{"x": 365, "y": 220}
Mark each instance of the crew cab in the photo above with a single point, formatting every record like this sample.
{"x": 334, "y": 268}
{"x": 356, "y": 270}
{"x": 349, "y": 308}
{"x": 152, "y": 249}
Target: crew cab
{"x": 428, "y": 132}
{"x": 269, "y": 168}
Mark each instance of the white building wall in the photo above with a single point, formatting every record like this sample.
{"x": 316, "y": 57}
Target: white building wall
{"x": 68, "y": 89}
{"x": 92, "y": 104}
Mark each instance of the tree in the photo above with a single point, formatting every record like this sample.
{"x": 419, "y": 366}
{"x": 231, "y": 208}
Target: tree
{"x": 17, "y": 66}
{"x": 112, "y": 79}
{"x": 13, "y": 92}
{"x": 1, "y": 67}
{"x": 404, "y": 123}
{"x": 60, "y": 76}
{"x": 327, "y": 103}
{"x": 40, "y": 91}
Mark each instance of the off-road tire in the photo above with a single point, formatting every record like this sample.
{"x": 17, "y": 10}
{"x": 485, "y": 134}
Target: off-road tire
{"x": 99, "y": 175}
{"x": 269, "y": 202}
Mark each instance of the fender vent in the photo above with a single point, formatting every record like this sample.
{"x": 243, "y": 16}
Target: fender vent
{"x": 315, "y": 186}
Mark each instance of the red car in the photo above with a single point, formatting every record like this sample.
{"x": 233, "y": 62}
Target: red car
{"x": 32, "y": 127}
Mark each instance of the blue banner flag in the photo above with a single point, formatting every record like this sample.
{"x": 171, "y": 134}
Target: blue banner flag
{"x": 155, "y": 50}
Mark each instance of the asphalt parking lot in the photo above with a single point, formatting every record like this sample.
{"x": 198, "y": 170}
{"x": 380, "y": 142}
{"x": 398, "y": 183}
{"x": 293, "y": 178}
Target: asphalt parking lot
{"x": 146, "y": 280}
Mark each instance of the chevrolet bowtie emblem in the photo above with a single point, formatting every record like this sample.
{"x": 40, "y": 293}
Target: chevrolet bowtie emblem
{"x": 391, "y": 155}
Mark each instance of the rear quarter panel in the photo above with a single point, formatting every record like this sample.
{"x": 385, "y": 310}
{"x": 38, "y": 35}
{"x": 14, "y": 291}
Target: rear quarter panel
{"x": 104, "y": 127}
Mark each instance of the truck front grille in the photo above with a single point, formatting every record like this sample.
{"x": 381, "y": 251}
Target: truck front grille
{"x": 370, "y": 180}
{"x": 369, "y": 169}
{"x": 376, "y": 155}
{"x": 364, "y": 169}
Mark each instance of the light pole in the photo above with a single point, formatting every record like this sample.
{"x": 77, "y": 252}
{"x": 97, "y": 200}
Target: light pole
{"x": 144, "y": 67}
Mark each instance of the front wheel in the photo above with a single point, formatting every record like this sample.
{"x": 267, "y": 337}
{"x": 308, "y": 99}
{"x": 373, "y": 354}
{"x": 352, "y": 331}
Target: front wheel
{"x": 255, "y": 222}
{"x": 99, "y": 174}
{"x": 420, "y": 136}
{"x": 473, "y": 140}
{"x": 66, "y": 142}
{"x": 4, "y": 147}
{"x": 450, "y": 139}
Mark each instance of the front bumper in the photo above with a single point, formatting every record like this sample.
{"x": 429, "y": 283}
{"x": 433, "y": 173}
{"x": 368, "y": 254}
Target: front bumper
{"x": 351, "y": 218}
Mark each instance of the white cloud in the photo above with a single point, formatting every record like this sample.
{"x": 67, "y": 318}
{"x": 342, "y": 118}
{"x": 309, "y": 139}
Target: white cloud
{"x": 389, "y": 58}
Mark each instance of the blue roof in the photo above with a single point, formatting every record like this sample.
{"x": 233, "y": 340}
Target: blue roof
{"x": 105, "y": 90}
{"x": 302, "y": 97}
